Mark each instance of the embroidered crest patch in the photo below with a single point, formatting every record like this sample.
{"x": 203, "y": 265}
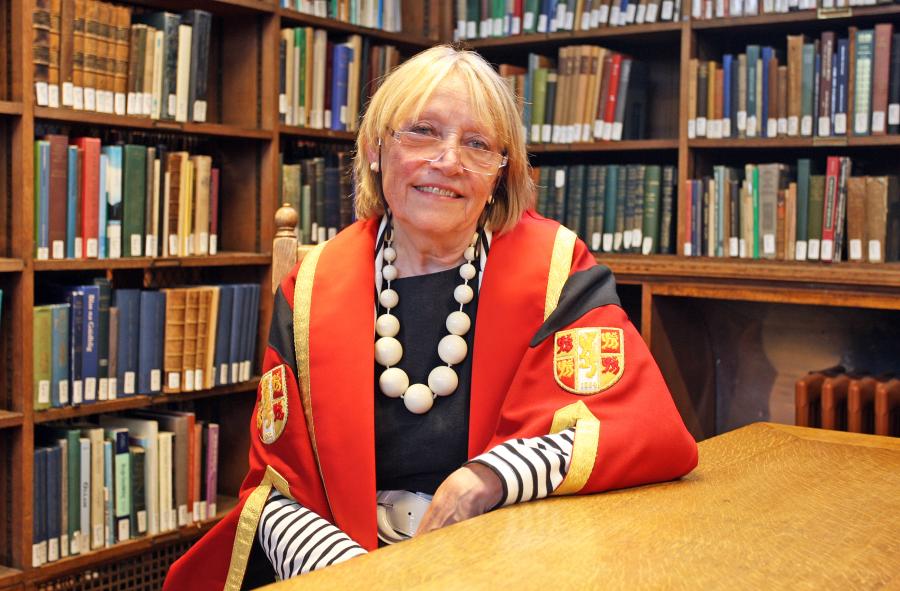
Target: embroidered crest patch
{"x": 588, "y": 360}
{"x": 272, "y": 410}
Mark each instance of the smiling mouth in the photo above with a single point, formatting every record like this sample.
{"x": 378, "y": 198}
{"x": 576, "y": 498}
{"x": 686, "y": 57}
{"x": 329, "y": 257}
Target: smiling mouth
{"x": 437, "y": 191}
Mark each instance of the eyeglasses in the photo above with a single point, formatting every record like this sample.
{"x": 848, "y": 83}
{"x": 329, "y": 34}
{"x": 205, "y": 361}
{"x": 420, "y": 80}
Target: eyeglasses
{"x": 432, "y": 148}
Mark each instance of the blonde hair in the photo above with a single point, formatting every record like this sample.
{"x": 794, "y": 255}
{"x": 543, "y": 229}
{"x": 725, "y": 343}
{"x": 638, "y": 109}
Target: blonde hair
{"x": 403, "y": 95}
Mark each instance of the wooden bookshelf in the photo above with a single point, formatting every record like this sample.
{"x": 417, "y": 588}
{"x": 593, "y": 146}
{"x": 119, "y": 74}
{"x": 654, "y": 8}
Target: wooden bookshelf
{"x": 9, "y": 577}
{"x": 11, "y": 265}
{"x": 224, "y": 259}
{"x": 294, "y": 131}
{"x": 10, "y": 108}
{"x": 410, "y": 41}
{"x": 9, "y": 419}
{"x": 819, "y": 143}
{"x": 600, "y": 146}
{"x": 824, "y": 18}
{"x": 666, "y": 31}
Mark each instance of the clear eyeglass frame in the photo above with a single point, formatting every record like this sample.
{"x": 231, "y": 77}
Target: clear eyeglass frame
{"x": 432, "y": 149}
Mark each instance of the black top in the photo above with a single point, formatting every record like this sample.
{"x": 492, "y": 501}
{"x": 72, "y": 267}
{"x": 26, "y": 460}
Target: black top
{"x": 417, "y": 452}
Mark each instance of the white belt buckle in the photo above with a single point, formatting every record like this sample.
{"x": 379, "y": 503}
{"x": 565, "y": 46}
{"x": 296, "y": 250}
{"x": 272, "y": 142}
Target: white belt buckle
{"x": 399, "y": 514}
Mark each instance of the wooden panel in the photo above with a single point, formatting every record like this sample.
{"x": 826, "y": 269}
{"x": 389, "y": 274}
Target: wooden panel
{"x": 633, "y": 34}
{"x": 822, "y": 296}
{"x": 222, "y": 259}
{"x": 240, "y": 191}
{"x": 410, "y": 41}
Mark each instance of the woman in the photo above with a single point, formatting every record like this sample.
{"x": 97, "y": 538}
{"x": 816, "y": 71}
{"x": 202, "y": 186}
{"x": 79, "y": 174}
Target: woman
{"x": 503, "y": 368}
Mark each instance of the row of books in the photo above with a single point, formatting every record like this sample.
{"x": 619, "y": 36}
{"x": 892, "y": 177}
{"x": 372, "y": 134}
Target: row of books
{"x": 839, "y": 400}
{"x": 587, "y": 94}
{"x": 323, "y": 84}
{"x": 771, "y": 211}
{"x": 94, "y": 201}
{"x": 320, "y": 190}
{"x": 377, "y": 14}
{"x": 828, "y": 86}
{"x": 100, "y": 343}
{"x": 479, "y": 20}
{"x": 615, "y": 207}
{"x": 98, "y": 56}
{"x": 99, "y": 485}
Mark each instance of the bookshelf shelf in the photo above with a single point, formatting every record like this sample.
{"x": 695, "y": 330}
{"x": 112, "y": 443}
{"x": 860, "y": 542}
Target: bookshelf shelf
{"x": 623, "y": 146}
{"x": 296, "y": 18}
{"x": 871, "y": 141}
{"x": 11, "y": 265}
{"x": 9, "y": 577}
{"x": 131, "y": 547}
{"x": 631, "y": 33}
{"x": 217, "y": 7}
{"x": 105, "y": 119}
{"x": 225, "y": 259}
{"x": 316, "y": 134}
{"x": 132, "y": 402}
{"x": 10, "y": 108}
{"x": 802, "y": 17}
{"x": 9, "y": 419}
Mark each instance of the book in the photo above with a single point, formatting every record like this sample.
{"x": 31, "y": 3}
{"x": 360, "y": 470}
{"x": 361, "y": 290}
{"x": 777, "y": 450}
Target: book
{"x": 43, "y": 356}
{"x": 145, "y": 433}
{"x": 882, "y": 225}
{"x": 127, "y": 302}
{"x": 122, "y": 494}
{"x": 138, "y": 515}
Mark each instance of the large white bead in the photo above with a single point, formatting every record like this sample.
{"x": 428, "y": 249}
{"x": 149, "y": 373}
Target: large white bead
{"x": 443, "y": 380}
{"x": 387, "y": 325}
{"x": 452, "y": 349}
{"x": 462, "y": 294}
{"x": 467, "y": 271}
{"x": 457, "y": 323}
{"x": 389, "y": 298}
{"x": 389, "y": 272}
{"x": 393, "y": 382}
{"x": 469, "y": 255}
{"x": 388, "y": 351}
{"x": 389, "y": 254}
{"x": 418, "y": 399}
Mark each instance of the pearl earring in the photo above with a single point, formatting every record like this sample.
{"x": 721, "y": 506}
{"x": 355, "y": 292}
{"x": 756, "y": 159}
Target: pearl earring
{"x": 490, "y": 199}
{"x": 373, "y": 166}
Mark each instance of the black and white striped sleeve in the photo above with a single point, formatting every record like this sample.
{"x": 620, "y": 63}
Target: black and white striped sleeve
{"x": 530, "y": 468}
{"x": 297, "y": 540}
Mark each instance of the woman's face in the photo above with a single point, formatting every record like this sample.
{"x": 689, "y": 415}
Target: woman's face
{"x": 416, "y": 189}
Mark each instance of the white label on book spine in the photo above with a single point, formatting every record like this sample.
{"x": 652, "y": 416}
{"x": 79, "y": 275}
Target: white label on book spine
{"x": 141, "y": 521}
{"x": 136, "y": 241}
{"x": 547, "y": 133}
{"x": 667, "y": 8}
{"x": 733, "y": 247}
{"x": 189, "y": 379}
{"x": 687, "y": 249}
{"x": 78, "y": 98}
{"x": 800, "y": 252}
{"x": 53, "y": 549}
{"x": 742, "y": 248}
{"x": 213, "y": 243}
{"x": 861, "y": 123}
{"x": 68, "y": 94}
{"x": 150, "y": 245}
{"x": 235, "y": 375}
{"x": 103, "y": 389}
{"x": 840, "y": 123}
{"x": 560, "y": 179}
{"x": 641, "y": 16}
{"x": 35, "y": 555}
{"x": 173, "y": 245}
{"x": 793, "y": 125}
{"x": 598, "y": 129}
{"x": 652, "y": 13}
{"x": 878, "y": 119}
{"x": 614, "y": 16}
{"x": 155, "y": 380}
{"x": 171, "y": 104}
{"x": 692, "y": 128}
{"x": 43, "y": 253}
{"x": 77, "y": 391}
{"x": 198, "y": 379}
{"x": 128, "y": 386}
{"x": 647, "y": 245}
{"x": 894, "y": 114}
{"x": 617, "y": 131}
{"x": 120, "y": 103}
{"x": 53, "y": 96}
{"x": 701, "y": 126}
{"x": 596, "y": 239}
{"x": 123, "y": 533}
{"x": 173, "y": 380}
{"x": 44, "y": 392}
{"x": 42, "y": 94}
{"x": 806, "y": 127}
{"x": 824, "y": 126}
{"x": 875, "y": 251}
{"x": 813, "y": 249}
{"x": 90, "y": 99}
{"x": 92, "y": 248}
{"x": 200, "y": 111}
{"x": 245, "y": 371}
{"x": 98, "y": 535}
{"x": 182, "y": 515}
{"x": 282, "y": 104}
{"x": 64, "y": 545}
{"x": 726, "y": 127}
{"x": 64, "y": 392}
{"x": 529, "y": 20}
{"x": 131, "y": 104}
{"x": 196, "y": 511}
{"x": 630, "y": 13}
{"x": 602, "y": 15}
{"x": 585, "y": 21}
{"x": 570, "y": 21}
{"x": 607, "y": 242}
{"x": 626, "y": 239}
{"x": 751, "y": 125}
{"x": 827, "y": 249}
{"x": 114, "y": 234}
{"x": 768, "y": 243}
{"x": 223, "y": 374}
{"x": 75, "y": 543}
{"x": 90, "y": 389}
{"x": 856, "y": 249}
{"x": 714, "y": 129}
{"x": 771, "y": 127}
{"x": 535, "y": 132}
{"x": 113, "y": 388}
{"x": 782, "y": 126}
{"x": 742, "y": 120}
{"x": 471, "y": 30}
{"x": 59, "y": 249}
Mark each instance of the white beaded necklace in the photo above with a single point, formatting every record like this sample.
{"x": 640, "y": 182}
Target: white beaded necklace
{"x": 452, "y": 349}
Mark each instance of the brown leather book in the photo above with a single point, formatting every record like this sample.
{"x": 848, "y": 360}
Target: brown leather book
{"x": 771, "y": 124}
{"x": 718, "y": 100}
{"x": 191, "y": 326}
{"x": 887, "y": 408}
{"x": 693, "y": 66}
{"x": 851, "y": 78}
{"x": 58, "y": 193}
{"x": 823, "y": 109}
{"x": 882, "y": 218}
{"x": 173, "y": 350}
{"x": 834, "y": 402}
{"x": 41, "y": 50}
{"x": 123, "y": 30}
{"x": 53, "y": 72}
{"x": 781, "y": 107}
{"x": 790, "y": 222}
{"x": 78, "y": 54}
{"x": 795, "y": 82}
{"x": 66, "y": 51}
{"x": 90, "y": 55}
{"x": 856, "y": 218}
{"x": 881, "y": 74}
{"x": 861, "y": 405}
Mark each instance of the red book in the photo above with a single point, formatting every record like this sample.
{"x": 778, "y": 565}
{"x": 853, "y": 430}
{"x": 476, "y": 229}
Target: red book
{"x": 214, "y": 211}
{"x": 59, "y": 163}
{"x": 829, "y": 207}
{"x": 609, "y": 116}
{"x": 89, "y": 195}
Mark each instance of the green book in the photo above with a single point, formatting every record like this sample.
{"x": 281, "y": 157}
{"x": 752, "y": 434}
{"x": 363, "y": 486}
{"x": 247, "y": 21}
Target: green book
{"x": 43, "y": 356}
{"x": 529, "y": 20}
{"x": 138, "y": 492}
{"x": 621, "y": 197}
{"x": 667, "y": 211}
{"x": 804, "y": 166}
{"x": 814, "y": 215}
{"x": 575, "y": 199}
{"x": 609, "y": 220}
{"x": 539, "y": 91}
{"x": 807, "y": 82}
{"x": 862, "y": 95}
{"x": 134, "y": 191}
{"x": 650, "y": 224}
{"x": 599, "y": 199}
{"x": 755, "y": 212}
{"x": 300, "y": 76}
{"x": 543, "y": 190}
{"x": 637, "y": 224}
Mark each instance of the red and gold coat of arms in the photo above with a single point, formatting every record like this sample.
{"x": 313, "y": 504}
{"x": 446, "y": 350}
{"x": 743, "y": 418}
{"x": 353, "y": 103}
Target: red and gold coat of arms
{"x": 272, "y": 410}
{"x": 588, "y": 360}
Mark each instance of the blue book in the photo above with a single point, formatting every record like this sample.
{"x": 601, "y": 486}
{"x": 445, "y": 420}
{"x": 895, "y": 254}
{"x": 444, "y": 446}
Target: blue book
{"x": 53, "y": 501}
{"x": 114, "y": 206}
{"x": 526, "y": 111}
{"x": 834, "y": 86}
{"x": 39, "y": 507}
{"x": 726, "y": 95}
{"x": 697, "y": 222}
{"x": 90, "y": 360}
{"x": 234, "y": 347}
{"x": 128, "y": 303}
{"x": 105, "y": 288}
{"x": 342, "y": 56}
{"x": 150, "y": 348}
{"x": 817, "y": 77}
{"x": 59, "y": 372}
{"x": 109, "y": 508}
{"x": 117, "y": 437}
{"x": 764, "y": 119}
{"x": 752, "y": 62}
{"x": 75, "y": 300}
{"x": 840, "y": 107}
{"x": 735, "y": 95}
{"x": 42, "y": 198}
{"x": 223, "y": 335}
{"x": 101, "y": 208}
{"x": 254, "y": 328}
{"x": 72, "y": 177}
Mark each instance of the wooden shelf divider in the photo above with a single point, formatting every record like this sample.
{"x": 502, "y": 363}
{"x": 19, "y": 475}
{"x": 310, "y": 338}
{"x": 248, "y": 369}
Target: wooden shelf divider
{"x": 316, "y": 134}
{"x": 9, "y": 419}
{"x": 10, "y": 108}
{"x": 11, "y": 265}
{"x": 290, "y": 17}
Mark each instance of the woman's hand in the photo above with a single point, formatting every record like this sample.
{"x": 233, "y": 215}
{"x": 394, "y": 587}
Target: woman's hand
{"x": 467, "y": 492}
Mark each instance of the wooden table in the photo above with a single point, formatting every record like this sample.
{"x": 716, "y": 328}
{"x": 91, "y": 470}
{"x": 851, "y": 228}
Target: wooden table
{"x": 769, "y": 506}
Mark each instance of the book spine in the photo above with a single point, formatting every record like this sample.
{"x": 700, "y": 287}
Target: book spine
{"x": 42, "y": 326}
{"x": 830, "y": 205}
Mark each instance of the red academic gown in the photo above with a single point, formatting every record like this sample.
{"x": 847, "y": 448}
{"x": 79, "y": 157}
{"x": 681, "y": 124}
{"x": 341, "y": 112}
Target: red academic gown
{"x": 627, "y": 434}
